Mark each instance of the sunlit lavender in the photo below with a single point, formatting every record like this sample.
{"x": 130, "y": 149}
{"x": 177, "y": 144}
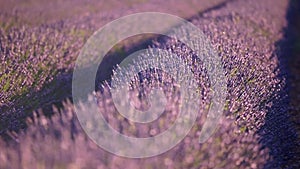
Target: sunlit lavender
{"x": 39, "y": 127}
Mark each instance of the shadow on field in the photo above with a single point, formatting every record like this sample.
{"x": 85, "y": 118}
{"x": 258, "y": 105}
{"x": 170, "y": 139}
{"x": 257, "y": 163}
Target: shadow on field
{"x": 278, "y": 134}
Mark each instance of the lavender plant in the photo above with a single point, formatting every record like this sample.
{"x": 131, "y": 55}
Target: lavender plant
{"x": 254, "y": 133}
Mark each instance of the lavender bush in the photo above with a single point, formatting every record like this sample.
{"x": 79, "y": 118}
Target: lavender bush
{"x": 255, "y": 131}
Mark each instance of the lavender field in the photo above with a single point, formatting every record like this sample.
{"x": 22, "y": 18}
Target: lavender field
{"x": 257, "y": 41}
